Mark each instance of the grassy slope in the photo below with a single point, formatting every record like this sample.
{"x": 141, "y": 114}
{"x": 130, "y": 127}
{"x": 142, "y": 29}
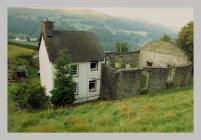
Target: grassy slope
{"x": 167, "y": 111}
{"x": 14, "y": 51}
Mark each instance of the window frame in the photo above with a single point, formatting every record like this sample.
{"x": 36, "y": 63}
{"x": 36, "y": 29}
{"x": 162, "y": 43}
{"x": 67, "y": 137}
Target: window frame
{"x": 95, "y": 85}
{"x": 76, "y": 88}
{"x": 77, "y": 70}
{"x": 96, "y": 68}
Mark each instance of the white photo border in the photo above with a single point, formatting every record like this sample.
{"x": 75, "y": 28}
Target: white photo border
{"x": 5, "y": 4}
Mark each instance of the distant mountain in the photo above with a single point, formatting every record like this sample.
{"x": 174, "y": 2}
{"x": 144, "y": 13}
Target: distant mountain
{"x": 26, "y": 21}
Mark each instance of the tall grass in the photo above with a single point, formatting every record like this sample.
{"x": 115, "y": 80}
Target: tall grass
{"x": 165, "y": 111}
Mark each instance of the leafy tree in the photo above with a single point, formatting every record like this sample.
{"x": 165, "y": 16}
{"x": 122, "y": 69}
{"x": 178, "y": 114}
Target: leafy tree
{"x": 121, "y": 46}
{"x": 30, "y": 96}
{"x": 185, "y": 39}
{"x": 166, "y": 38}
{"x": 64, "y": 86}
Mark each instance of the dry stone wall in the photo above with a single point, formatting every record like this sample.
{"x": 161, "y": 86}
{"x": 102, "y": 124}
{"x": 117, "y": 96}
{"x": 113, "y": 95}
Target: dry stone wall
{"x": 123, "y": 83}
{"x": 157, "y": 78}
{"x": 125, "y": 57}
{"x": 182, "y": 75}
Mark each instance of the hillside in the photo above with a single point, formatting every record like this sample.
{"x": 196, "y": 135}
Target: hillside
{"x": 14, "y": 51}
{"x": 24, "y": 21}
{"x": 18, "y": 56}
{"x": 165, "y": 111}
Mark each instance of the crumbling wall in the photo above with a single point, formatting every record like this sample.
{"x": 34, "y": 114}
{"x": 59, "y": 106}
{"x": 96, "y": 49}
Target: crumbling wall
{"x": 123, "y": 83}
{"x": 125, "y": 57}
{"x": 128, "y": 83}
{"x": 108, "y": 82}
{"x": 182, "y": 75}
{"x": 118, "y": 84}
{"x": 157, "y": 78}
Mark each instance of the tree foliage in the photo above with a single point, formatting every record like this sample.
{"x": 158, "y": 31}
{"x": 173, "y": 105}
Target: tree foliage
{"x": 64, "y": 86}
{"x": 30, "y": 96}
{"x": 121, "y": 46}
{"x": 167, "y": 38}
{"x": 185, "y": 39}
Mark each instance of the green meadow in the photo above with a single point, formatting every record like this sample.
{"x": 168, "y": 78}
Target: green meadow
{"x": 165, "y": 111}
{"x": 15, "y": 51}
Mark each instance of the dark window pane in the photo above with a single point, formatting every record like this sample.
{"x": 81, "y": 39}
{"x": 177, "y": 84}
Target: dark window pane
{"x": 94, "y": 65}
{"x": 92, "y": 85}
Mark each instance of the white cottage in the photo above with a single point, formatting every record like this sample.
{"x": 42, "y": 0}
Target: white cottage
{"x": 86, "y": 56}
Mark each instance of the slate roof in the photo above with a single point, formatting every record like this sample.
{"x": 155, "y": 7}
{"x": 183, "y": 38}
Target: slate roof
{"x": 81, "y": 46}
{"x": 164, "y": 48}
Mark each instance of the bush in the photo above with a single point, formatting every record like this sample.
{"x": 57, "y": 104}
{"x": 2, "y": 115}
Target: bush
{"x": 62, "y": 96}
{"x": 29, "y": 96}
{"x": 64, "y": 86}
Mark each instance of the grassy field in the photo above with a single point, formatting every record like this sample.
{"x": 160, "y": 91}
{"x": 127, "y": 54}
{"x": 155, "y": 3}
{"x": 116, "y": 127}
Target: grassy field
{"x": 167, "y": 111}
{"x": 24, "y": 44}
{"x": 14, "y": 51}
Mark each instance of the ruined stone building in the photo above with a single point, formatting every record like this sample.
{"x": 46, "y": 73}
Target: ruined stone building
{"x": 158, "y": 65}
{"x": 159, "y": 53}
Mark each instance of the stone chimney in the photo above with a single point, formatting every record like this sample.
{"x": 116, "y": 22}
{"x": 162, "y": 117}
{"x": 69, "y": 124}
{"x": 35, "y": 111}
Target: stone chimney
{"x": 47, "y": 28}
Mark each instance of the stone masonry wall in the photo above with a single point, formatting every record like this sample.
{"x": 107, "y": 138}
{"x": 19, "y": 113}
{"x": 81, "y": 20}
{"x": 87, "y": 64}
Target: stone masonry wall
{"x": 182, "y": 75}
{"x": 126, "y": 57}
{"x": 128, "y": 83}
{"x": 157, "y": 78}
{"x": 108, "y": 82}
{"x": 123, "y": 83}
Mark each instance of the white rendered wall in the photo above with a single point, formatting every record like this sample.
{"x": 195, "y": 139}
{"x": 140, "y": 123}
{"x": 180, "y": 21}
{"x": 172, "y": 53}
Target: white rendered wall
{"x": 86, "y": 75}
{"x": 45, "y": 68}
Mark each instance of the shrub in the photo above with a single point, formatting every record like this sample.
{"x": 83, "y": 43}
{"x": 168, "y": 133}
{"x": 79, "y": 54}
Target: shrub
{"x": 30, "y": 96}
{"x": 64, "y": 86}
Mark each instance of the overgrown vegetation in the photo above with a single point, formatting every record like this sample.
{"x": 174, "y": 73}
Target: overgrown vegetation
{"x": 23, "y": 57}
{"x": 30, "y": 96}
{"x": 165, "y": 111}
{"x": 28, "y": 93}
{"x": 167, "y": 38}
{"x": 121, "y": 46}
{"x": 185, "y": 39}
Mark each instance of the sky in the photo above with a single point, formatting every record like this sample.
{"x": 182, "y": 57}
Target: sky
{"x": 173, "y": 17}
